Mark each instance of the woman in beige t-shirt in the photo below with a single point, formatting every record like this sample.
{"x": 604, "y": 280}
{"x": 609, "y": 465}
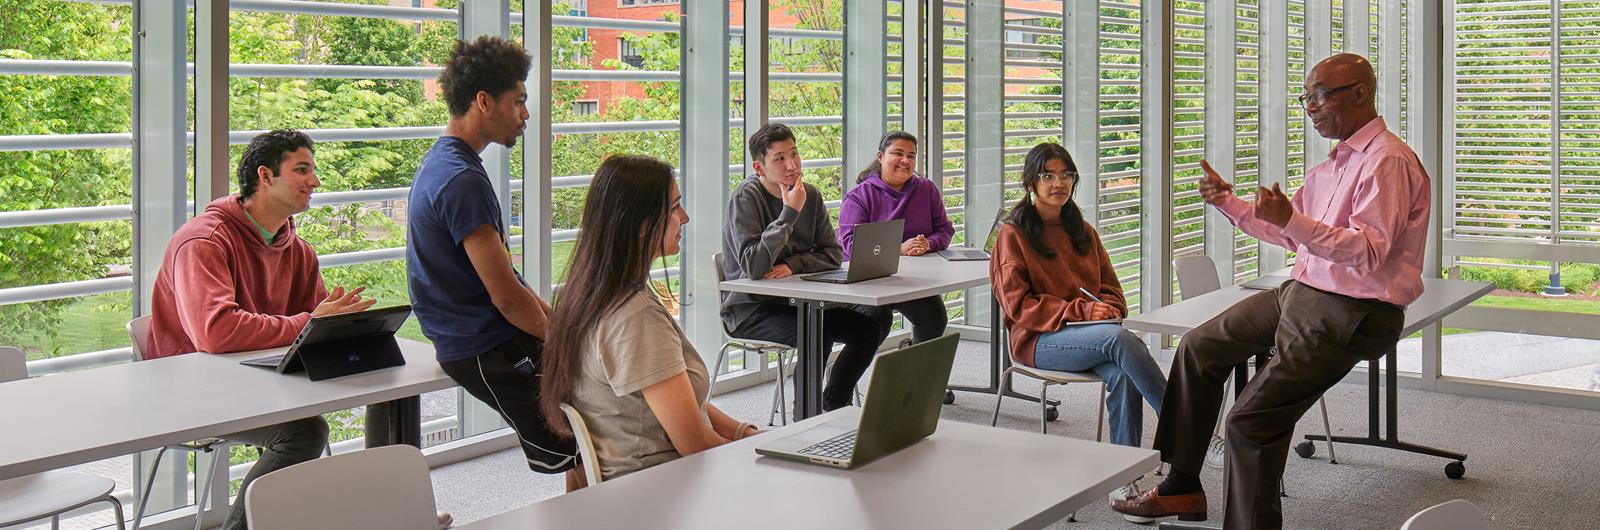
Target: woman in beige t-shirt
{"x": 615, "y": 353}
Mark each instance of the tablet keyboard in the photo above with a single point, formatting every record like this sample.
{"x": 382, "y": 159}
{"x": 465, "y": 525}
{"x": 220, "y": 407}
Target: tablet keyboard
{"x": 840, "y": 447}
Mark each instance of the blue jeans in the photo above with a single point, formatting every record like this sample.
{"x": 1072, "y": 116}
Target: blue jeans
{"x": 1118, "y": 357}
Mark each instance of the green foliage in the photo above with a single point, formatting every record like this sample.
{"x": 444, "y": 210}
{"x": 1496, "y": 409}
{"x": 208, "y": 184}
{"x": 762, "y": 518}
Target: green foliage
{"x": 1577, "y": 278}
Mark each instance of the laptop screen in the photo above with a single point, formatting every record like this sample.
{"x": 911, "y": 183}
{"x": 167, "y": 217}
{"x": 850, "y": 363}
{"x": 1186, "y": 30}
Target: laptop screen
{"x": 994, "y": 231}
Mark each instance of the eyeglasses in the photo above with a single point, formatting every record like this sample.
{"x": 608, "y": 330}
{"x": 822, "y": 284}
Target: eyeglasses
{"x": 1320, "y": 96}
{"x": 1064, "y": 176}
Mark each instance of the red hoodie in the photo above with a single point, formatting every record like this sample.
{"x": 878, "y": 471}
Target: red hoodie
{"x": 222, "y": 289}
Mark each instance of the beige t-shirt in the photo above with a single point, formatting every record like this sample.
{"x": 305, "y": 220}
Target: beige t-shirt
{"x": 637, "y": 345}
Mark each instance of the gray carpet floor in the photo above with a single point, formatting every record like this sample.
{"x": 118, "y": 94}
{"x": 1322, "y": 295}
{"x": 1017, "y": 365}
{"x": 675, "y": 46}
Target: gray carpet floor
{"x": 1528, "y": 466}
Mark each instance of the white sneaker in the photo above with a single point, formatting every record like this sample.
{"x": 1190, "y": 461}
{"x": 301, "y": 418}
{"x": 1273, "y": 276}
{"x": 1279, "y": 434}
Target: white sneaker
{"x": 1126, "y": 492}
{"x": 1216, "y": 451}
{"x": 445, "y": 520}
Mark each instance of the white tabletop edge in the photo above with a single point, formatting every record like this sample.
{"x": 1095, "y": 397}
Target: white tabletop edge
{"x": 418, "y": 356}
{"x": 919, "y": 277}
{"x": 866, "y": 483}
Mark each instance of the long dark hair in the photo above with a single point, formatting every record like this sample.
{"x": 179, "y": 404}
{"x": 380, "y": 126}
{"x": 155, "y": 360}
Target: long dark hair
{"x": 625, "y": 214}
{"x": 1025, "y": 216}
{"x": 883, "y": 145}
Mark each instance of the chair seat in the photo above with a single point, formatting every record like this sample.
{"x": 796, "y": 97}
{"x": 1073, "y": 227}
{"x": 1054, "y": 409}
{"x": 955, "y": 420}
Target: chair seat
{"x": 33, "y": 497}
{"x": 754, "y": 344}
{"x": 1054, "y": 376}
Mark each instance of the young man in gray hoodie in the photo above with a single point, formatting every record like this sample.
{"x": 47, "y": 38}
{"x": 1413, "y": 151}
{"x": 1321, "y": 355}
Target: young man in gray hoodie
{"x": 778, "y": 226}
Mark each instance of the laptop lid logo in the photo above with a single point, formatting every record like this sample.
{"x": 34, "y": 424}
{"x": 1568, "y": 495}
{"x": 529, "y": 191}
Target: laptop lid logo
{"x": 877, "y": 249}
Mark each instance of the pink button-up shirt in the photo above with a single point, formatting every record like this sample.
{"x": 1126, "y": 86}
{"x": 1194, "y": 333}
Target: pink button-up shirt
{"x": 1360, "y": 222}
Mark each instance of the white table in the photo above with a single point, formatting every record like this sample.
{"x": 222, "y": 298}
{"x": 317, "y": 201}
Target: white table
{"x": 1439, "y": 298}
{"x": 81, "y": 417}
{"x": 919, "y": 277}
{"x": 963, "y": 477}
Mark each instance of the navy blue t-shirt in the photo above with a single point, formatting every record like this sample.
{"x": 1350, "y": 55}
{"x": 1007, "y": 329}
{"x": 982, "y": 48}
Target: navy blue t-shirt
{"x": 451, "y": 197}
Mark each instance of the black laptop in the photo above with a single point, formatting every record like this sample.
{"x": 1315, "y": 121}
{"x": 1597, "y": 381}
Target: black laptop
{"x": 340, "y": 345}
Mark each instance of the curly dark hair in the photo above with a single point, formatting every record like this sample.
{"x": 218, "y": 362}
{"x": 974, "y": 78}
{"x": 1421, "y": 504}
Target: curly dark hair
{"x": 489, "y": 64}
{"x": 267, "y": 149}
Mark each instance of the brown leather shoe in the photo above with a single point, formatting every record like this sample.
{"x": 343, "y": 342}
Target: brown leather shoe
{"x": 1188, "y": 506}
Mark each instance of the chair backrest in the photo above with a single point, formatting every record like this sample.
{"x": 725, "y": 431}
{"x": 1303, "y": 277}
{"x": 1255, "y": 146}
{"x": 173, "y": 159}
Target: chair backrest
{"x": 139, "y": 331}
{"x": 13, "y": 364}
{"x": 580, "y": 431}
{"x": 383, "y": 487}
{"x": 1197, "y": 275}
{"x": 716, "y": 265}
{"x": 1458, "y": 514}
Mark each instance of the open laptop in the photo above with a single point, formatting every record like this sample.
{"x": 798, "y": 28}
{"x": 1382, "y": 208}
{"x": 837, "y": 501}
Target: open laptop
{"x": 902, "y": 407}
{"x": 973, "y": 254}
{"x": 340, "y": 345}
{"x": 1270, "y": 281}
{"x": 874, "y": 253}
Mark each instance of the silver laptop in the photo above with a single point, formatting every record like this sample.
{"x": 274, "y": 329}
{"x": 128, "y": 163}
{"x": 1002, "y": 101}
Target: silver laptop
{"x": 973, "y": 254}
{"x": 902, "y": 407}
{"x": 874, "y": 253}
{"x": 1270, "y": 281}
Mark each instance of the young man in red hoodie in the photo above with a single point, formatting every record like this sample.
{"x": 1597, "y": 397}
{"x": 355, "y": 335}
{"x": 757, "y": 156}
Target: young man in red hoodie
{"x": 237, "y": 278}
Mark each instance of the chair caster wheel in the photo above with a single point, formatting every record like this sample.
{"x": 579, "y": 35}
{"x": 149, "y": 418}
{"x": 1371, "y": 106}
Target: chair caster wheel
{"x": 949, "y": 397}
{"x": 1455, "y": 470}
{"x": 1051, "y": 414}
{"x": 1305, "y": 449}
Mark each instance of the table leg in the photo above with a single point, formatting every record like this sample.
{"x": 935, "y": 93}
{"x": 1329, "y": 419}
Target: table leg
{"x": 808, "y": 372}
{"x": 1391, "y": 440}
{"x": 998, "y": 363}
{"x": 395, "y": 422}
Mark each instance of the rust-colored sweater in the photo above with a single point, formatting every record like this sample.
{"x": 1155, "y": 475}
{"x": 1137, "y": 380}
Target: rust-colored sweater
{"x": 1037, "y": 293}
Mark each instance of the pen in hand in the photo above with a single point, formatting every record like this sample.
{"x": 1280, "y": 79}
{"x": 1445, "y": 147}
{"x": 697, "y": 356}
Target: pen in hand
{"x": 1090, "y": 295}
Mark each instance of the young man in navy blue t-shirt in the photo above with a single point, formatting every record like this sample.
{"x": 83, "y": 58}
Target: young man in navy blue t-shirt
{"x": 486, "y": 324}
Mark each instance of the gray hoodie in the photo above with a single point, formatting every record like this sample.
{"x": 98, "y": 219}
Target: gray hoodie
{"x": 761, "y": 232}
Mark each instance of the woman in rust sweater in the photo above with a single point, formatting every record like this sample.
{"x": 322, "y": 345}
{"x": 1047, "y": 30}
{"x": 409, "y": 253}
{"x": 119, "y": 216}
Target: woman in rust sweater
{"x": 1045, "y": 253}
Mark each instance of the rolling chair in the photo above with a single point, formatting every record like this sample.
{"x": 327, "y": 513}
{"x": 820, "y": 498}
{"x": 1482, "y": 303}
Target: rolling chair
{"x": 51, "y": 493}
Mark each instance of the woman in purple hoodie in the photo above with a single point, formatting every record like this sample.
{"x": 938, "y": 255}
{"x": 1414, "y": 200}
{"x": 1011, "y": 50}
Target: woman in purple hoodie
{"x": 889, "y": 189}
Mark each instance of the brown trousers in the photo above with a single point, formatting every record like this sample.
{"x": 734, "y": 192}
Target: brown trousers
{"x": 1319, "y": 336}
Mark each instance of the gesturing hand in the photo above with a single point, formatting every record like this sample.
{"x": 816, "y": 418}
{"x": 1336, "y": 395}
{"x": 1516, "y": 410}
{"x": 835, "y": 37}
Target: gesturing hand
{"x": 795, "y": 196}
{"x": 339, "y": 301}
{"x": 1273, "y": 206}
{"x": 1212, "y": 188}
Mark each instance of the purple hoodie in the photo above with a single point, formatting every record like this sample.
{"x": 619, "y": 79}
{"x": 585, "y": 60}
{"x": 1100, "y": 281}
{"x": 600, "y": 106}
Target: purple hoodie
{"x": 920, "y": 204}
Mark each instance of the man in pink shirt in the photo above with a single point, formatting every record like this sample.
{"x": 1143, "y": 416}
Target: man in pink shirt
{"x": 237, "y": 278}
{"x": 1358, "y": 227}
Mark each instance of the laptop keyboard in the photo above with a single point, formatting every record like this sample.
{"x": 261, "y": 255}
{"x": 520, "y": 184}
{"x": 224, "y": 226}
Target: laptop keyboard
{"x": 840, "y": 447}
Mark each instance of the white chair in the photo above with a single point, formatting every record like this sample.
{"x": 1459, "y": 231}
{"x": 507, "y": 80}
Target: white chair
{"x": 52, "y": 493}
{"x": 1197, "y": 275}
{"x": 780, "y": 403}
{"x": 139, "y": 332}
{"x": 1458, "y": 514}
{"x": 580, "y": 431}
{"x": 1048, "y": 378}
{"x": 384, "y": 487}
